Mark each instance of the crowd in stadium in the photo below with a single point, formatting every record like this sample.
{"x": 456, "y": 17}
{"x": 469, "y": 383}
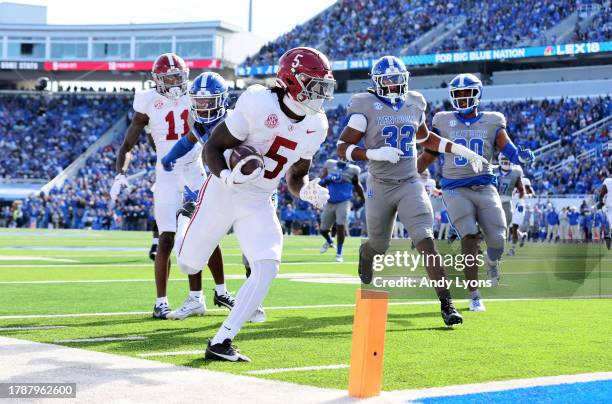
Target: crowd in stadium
{"x": 377, "y": 27}
{"x": 40, "y": 136}
{"x": 83, "y": 201}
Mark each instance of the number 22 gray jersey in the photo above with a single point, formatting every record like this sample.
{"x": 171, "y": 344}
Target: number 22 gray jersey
{"x": 388, "y": 126}
{"x": 478, "y": 134}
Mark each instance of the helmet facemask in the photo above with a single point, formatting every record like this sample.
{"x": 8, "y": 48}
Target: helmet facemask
{"x": 392, "y": 86}
{"x": 206, "y": 109}
{"x": 504, "y": 164}
{"x": 315, "y": 91}
{"x": 172, "y": 84}
{"x": 465, "y": 99}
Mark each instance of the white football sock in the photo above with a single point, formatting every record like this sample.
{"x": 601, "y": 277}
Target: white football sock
{"x": 155, "y": 241}
{"x": 195, "y": 294}
{"x": 161, "y": 300}
{"x": 221, "y": 289}
{"x": 249, "y": 297}
{"x": 475, "y": 294}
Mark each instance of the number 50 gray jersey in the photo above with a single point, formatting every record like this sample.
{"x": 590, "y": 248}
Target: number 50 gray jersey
{"x": 394, "y": 127}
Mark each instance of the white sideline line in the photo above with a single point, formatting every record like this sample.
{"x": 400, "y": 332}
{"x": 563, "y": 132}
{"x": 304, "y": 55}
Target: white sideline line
{"x": 314, "y": 306}
{"x": 302, "y": 369}
{"x": 80, "y": 266}
{"x": 291, "y": 276}
{"x": 464, "y": 389}
{"x": 4, "y": 258}
{"x": 42, "y": 327}
{"x": 175, "y": 353}
{"x": 102, "y": 339}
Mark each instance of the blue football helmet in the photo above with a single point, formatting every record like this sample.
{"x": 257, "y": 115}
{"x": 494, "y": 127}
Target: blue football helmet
{"x": 461, "y": 82}
{"x": 390, "y": 78}
{"x": 209, "y": 95}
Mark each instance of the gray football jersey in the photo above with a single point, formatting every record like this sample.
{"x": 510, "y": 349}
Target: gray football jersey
{"x": 392, "y": 127}
{"x": 347, "y": 173}
{"x": 506, "y": 182}
{"x": 476, "y": 134}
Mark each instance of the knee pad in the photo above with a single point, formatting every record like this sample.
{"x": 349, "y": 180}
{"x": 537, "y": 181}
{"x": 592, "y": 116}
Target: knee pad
{"x": 186, "y": 269}
{"x": 265, "y": 270}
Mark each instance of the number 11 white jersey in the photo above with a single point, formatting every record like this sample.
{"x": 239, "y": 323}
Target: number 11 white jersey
{"x": 168, "y": 121}
{"x": 258, "y": 121}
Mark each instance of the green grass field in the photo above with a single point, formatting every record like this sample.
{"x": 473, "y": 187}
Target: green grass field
{"x": 513, "y": 339}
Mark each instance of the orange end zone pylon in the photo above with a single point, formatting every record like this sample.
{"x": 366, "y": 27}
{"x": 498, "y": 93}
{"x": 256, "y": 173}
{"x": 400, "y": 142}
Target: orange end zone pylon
{"x": 369, "y": 327}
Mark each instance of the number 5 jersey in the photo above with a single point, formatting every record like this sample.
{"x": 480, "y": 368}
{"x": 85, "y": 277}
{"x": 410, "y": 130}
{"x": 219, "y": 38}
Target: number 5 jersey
{"x": 258, "y": 121}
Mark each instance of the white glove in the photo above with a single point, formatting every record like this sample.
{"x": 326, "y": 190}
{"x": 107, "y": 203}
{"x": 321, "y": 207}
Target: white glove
{"x": 385, "y": 153}
{"x": 314, "y": 194}
{"x": 235, "y": 177}
{"x": 476, "y": 160}
{"x": 119, "y": 182}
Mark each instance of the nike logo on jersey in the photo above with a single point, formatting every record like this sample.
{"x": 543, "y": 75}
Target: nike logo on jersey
{"x": 308, "y": 131}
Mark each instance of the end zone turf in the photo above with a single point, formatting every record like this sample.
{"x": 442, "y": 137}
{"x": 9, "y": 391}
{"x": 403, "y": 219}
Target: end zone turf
{"x": 512, "y": 340}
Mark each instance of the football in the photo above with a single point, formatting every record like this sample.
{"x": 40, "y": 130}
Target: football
{"x": 242, "y": 152}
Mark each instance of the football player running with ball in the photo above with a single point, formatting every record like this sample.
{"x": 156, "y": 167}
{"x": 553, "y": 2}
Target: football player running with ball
{"x": 391, "y": 121}
{"x": 286, "y": 125}
{"x": 472, "y": 201}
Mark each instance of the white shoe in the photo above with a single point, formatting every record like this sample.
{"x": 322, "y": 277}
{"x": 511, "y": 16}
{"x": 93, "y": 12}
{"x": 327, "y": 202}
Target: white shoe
{"x": 325, "y": 247}
{"x": 190, "y": 307}
{"x": 339, "y": 258}
{"x": 476, "y": 304}
{"x": 259, "y": 316}
{"x": 492, "y": 270}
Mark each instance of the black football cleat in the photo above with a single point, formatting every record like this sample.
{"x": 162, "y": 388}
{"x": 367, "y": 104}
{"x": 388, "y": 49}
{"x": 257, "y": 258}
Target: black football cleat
{"x": 224, "y": 352}
{"x": 226, "y": 300}
{"x": 365, "y": 264}
{"x": 186, "y": 210}
{"x": 450, "y": 315}
{"x": 161, "y": 312}
{"x": 153, "y": 252}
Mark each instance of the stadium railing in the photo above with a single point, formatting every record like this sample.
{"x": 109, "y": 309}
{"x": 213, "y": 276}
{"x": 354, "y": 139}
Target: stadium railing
{"x": 550, "y": 147}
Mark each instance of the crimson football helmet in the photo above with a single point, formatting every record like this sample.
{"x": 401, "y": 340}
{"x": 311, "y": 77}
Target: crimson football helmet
{"x": 306, "y": 75}
{"x": 171, "y": 75}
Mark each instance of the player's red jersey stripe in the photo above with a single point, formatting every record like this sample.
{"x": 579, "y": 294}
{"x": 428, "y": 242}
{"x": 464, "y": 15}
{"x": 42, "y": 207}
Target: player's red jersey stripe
{"x": 200, "y": 198}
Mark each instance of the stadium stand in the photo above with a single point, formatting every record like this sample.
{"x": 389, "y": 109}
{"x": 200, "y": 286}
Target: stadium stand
{"x": 42, "y": 135}
{"x": 360, "y": 29}
{"x": 83, "y": 202}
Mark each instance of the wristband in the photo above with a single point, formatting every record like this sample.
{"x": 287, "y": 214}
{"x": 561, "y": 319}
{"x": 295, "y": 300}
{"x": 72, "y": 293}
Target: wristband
{"x": 349, "y": 152}
{"x": 442, "y": 145}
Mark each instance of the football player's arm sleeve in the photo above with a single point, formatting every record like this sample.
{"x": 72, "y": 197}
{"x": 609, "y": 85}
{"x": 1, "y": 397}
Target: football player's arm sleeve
{"x": 297, "y": 176}
{"x": 139, "y": 121}
{"x": 220, "y": 140}
{"x": 179, "y": 149}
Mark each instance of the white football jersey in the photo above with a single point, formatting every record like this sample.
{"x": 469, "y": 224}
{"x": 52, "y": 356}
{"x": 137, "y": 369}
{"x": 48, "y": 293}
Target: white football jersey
{"x": 258, "y": 121}
{"x": 168, "y": 121}
{"x": 608, "y": 183}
